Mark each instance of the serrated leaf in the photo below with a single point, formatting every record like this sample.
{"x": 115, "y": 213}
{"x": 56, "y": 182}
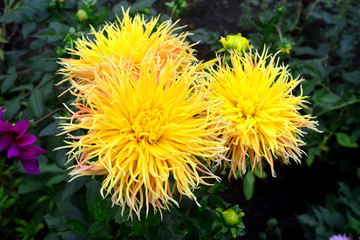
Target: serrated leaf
{"x": 345, "y": 140}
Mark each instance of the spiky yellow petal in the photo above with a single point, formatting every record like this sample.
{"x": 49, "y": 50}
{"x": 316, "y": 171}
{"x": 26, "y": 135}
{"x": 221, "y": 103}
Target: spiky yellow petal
{"x": 130, "y": 41}
{"x": 143, "y": 129}
{"x": 261, "y": 110}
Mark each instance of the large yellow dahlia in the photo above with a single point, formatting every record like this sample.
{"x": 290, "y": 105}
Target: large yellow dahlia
{"x": 142, "y": 129}
{"x": 131, "y": 41}
{"x": 261, "y": 109}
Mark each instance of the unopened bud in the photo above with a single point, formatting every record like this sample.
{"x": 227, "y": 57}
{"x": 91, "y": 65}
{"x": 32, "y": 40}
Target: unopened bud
{"x": 285, "y": 47}
{"x": 235, "y": 43}
{"x": 82, "y": 15}
{"x": 231, "y": 217}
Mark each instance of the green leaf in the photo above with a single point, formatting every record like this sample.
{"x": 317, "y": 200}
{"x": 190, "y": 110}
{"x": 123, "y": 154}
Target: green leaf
{"x": 50, "y": 130}
{"x": 345, "y": 140}
{"x": 32, "y": 183}
{"x": 57, "y": 179}
{"x": 92, "y": 194}
{"x": 329, "y": 98}
{"x": 352, "y": 77}
{"x": 28, "y": 28}
{"x": 36, "y": 103}
{"x": 312, "y": 153}
{"x": 117, "y": 8}
{"x": 354, "y": 224}
{"x": 140, "y": 4}
{"x": 9, "y": 81}
{"x": 57, "y": 224}
{"x": 42, "y": 64}
{"x": 248, "y": 185}
{"x": 50, "y": 168}
{"x": 12, "y": 107}
{"x": 72, "y": 187}
{"x": 23, "y": 87}
{"x": 59, "y": 27}
{"x": 305, "y": 51}
{"x": 325, "y": 16}
{"x": 1, "y": 55}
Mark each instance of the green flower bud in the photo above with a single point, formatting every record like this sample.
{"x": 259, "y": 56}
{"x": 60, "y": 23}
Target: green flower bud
{"x": 231, "y": 217}
{"x": 183, "y": 5}
{"x": 235, "y": 43}
{"x": 280, "y": 10}
{"x": 285, "y": 46}
{"x": 82, "y": 15}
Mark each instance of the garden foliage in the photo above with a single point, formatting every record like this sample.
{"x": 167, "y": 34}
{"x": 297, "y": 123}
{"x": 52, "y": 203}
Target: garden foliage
{"x": 319, "y": 40}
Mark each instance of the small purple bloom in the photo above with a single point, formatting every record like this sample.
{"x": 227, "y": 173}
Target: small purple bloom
{"x": 18, "y": 144}
{"x": 340, "y": 237}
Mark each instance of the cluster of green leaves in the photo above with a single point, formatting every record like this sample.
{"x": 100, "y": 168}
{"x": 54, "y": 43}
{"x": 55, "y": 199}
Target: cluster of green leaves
{"x": 341, "y": 214}
{"x": 272, "y": 230}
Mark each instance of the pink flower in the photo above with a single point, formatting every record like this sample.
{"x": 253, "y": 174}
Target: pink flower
{"x": 18, "y": 144}
{"x": 340, "y": 237}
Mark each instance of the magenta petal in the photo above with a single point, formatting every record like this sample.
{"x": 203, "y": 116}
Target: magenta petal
{"x": 1, "y": 113}
{"x": 20, "y": 128}
{"x": 5, "y": 126}
{"x": 26, "y": 139}
{"x": 39, "y": 150}
{"x": 27, "y": 153}
{"x": 13, "y": 150}
{"x": 31, "y": 166}
{"x": 5, "y": 140}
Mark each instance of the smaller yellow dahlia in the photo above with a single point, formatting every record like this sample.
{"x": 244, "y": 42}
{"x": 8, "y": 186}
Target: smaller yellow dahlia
{"x": 143, "y": 129}
{"x": 263, "y": 114}
{"x": 130, "y": 41}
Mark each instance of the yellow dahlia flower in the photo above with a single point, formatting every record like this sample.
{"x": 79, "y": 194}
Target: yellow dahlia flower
{"x": 131, "y": 40}
{"x": 143, "y": 129}
{"x": 261, "y": 109}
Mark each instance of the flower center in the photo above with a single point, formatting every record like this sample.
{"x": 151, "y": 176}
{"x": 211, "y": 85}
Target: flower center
{"x": 247, "y": 107}
{"x": 148, "y": 124}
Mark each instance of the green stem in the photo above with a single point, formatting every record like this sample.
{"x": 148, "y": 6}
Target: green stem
{"x": 311, "y": 9}
{"x": 47, "y": 116}
{"x": 340, "y": 106}
{"x": 279, "y": 32}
